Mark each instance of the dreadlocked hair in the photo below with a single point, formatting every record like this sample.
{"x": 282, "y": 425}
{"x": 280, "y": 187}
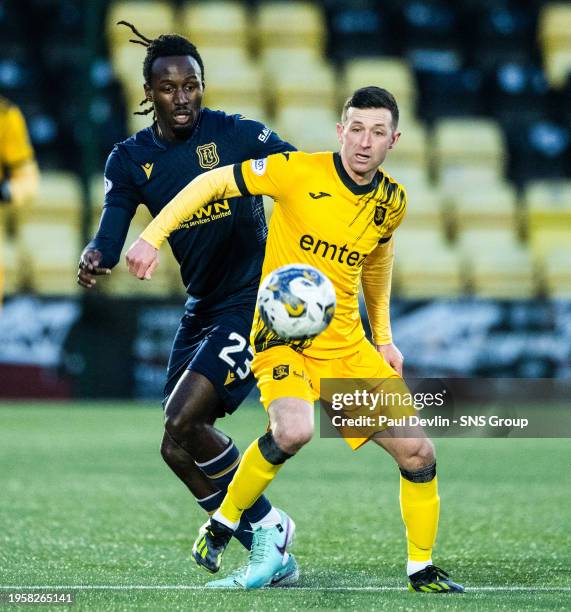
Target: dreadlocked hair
{"x": 164, "y": 46}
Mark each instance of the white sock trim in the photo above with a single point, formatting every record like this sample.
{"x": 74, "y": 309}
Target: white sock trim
{"x": 218, "y": 516}
{"x": 272, "y": 518}
{"x": 415, "y": 566}
{"x": 224, "y": 452}
{"x": 203, "y": 499}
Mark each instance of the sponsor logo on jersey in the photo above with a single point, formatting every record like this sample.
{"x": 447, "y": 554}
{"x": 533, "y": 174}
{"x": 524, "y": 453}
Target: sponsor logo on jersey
{"x": 380, "y": 214}
{"x": 208, "y": 155}
{"x": 208, "y": 213}
{"x": 332, "y": 251}
{"x": 259, "y": 166}
{"x": 108, "y": 185}
{"x": 264, "y": 135}
{"x": 281, "y": 372}
{"x": 321, "y": 194}
{"x": 147, "y": 169}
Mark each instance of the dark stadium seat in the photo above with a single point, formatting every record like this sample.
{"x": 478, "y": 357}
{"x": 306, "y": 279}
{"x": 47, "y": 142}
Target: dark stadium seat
{"x": 448, "y": 92}
{"x": 539, "y": 150}
{"x": 498, "y": 31}
{"x": 359, "y": 28}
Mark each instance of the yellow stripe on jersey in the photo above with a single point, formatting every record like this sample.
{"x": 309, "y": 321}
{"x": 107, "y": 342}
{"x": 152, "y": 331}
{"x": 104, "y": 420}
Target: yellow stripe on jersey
{"x": 324, "y": 219}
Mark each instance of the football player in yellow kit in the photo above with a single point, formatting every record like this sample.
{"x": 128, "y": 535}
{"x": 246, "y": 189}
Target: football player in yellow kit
{"x": 19, "y": 176}
{"x": 336, "y": 212}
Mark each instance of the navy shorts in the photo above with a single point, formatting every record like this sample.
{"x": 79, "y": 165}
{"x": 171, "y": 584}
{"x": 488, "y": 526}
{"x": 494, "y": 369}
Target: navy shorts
{"x": 217, "y": 347}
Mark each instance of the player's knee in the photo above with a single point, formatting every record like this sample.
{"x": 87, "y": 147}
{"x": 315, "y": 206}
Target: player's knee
{"x": 291, "y": 439}
{"x": 416, "y": 454}
{"x": 168, "y": 450}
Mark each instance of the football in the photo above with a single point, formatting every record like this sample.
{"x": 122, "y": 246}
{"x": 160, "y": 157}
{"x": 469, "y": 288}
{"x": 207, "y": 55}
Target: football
{"x": 296, "y": 301}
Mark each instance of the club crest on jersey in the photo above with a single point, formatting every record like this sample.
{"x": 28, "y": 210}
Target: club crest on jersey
{"x": 281, "y": 371}
{"x": 380, "y": 214}
{"x": 207, "y": 155}
{"x": 259, "y": 166}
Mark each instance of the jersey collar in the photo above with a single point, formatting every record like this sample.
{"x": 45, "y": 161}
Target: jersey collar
{"x": 351, "y": 185}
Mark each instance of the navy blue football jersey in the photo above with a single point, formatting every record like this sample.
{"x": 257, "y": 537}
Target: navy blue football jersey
{"x": 221, "y": 248}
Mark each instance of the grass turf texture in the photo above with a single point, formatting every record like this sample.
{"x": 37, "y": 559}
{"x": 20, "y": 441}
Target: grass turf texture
{"x": 86, "y": 500}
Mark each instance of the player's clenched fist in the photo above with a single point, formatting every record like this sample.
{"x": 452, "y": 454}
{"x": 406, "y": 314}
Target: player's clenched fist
{"x": 142, "y": 259}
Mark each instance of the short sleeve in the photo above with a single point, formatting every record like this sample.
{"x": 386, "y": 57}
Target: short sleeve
{"x": 263, "y": 176}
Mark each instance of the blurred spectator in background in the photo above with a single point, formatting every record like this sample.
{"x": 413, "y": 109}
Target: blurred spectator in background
{"x": 19, "y": 176}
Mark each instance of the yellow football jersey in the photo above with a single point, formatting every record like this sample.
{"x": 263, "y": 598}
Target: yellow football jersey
{"x": 15, "y": 147}
{"x": 322, "y": 218}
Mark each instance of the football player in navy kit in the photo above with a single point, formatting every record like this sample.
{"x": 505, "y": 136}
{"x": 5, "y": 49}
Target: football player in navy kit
{"x": 220, "y": 253}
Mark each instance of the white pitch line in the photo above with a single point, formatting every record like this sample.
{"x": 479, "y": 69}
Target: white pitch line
{"x": 195, "y": 587}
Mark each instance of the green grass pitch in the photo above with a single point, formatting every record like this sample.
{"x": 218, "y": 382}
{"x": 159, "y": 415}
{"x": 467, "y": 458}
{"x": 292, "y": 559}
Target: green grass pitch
{"x": 86, "y": 502}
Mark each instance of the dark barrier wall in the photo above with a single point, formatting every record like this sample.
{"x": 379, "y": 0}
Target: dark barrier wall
{"x": 105, "y": 347}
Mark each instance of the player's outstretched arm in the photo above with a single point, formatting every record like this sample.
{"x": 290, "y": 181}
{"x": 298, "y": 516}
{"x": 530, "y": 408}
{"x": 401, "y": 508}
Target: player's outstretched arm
{"x": 142, "y": 258}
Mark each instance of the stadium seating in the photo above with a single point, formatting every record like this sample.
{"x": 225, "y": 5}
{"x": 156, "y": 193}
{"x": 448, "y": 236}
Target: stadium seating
{"x": 556, "y": 270}
{"x": 152, "y": 18}
{"x": 59, "y": 200}
{"x": 425, "y": 266}
{"x": 467, "y": 150}
{"x": 298, "y": 77}
{"x": 50, "y": 251}
{"x": 484, "y": 207}
{"x": 290, "y": 25}
{"x": 224, "y": 23}
{"x": 309, "y": 129}
{"x": 497, "y": 265}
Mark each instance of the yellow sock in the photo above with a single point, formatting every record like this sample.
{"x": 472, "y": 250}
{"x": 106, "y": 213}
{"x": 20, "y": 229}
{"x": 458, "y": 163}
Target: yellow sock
{"x": 253, "y": 476}
{"x": 420, "y": 507}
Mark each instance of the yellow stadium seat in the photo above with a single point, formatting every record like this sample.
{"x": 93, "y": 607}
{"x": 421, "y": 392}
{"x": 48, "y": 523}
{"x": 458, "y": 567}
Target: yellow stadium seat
{"x": 412, "y": 146}
{"x": 488, "y": 206}
{"x": 151, "y": 18}
{"x": 425, "y": 210}
{"x": 468, "y": 146}
{"x": 228, "y": 57}
{"x": 412, "y": 176}
{"x": 548, "y": 214}
{"x": 59, "y": 200}
{"x": 498, "y": 266}
{"x": 138, "y": 122}
{"x": 308, "y": 129}
{"x": 300, "y": 79}
{"x": 234, "y": 85}
{"x": 557, "y": 67}
{"x": 290, "y": 25}
{"x": 556, "y": 268}
{"x": 548, "y": 203}
{"x": 554, "y": 27}
{"x": 52, "y": 251}
{"x": 11, "y": 269}
{"x": 223, "y": 23}
{"x": 425, "y": 266}
{"x": 392, "y": 74}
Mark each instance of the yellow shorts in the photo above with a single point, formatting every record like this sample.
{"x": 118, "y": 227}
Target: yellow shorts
{"x": 282, "y": 372}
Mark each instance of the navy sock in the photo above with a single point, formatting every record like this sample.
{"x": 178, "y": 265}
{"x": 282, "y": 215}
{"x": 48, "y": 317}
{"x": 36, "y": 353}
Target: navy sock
{"x": 221, "y": 470}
